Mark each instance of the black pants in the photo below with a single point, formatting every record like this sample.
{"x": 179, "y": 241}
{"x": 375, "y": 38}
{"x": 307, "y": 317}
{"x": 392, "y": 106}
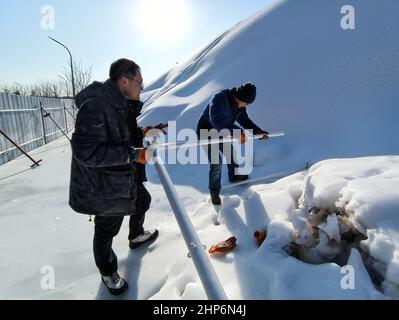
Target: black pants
{"x": 107, "y": 227}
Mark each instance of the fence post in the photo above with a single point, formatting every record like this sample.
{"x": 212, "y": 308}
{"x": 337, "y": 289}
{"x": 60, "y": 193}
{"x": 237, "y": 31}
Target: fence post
{"x": 66, "y": 120}
{"x": 43, "y": 125}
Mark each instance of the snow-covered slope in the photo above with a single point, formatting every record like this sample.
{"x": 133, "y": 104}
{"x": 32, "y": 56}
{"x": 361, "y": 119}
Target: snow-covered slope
{"x": 333, "y": 91}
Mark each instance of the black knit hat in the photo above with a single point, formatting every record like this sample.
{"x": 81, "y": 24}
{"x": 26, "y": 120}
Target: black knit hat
{"x": 245, "y": 93}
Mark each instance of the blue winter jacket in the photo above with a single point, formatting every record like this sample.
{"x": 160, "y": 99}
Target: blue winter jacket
{"x": 222, "y": 113}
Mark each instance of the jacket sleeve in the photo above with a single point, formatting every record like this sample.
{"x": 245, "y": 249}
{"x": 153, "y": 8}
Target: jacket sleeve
{"x": 244, "y": 120}
{"x": 91, "y": 145}
{"x": 218, "y": 114}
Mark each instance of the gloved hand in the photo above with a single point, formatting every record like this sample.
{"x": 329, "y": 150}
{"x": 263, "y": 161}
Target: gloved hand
{"x": 223, "y": 246}
{"x": 140, "y": 155}
{"x": 265, "y": 135}
{"x": 243, "y": 138}
{"x": 260, "y": 236}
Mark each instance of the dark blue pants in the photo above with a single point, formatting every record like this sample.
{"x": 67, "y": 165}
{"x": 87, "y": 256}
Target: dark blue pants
{"x": 215, "y": 170}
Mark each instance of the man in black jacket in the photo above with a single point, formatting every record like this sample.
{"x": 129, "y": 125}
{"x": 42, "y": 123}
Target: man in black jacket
{"x": 107, "y": 170}
{"x": 225, "y": 109}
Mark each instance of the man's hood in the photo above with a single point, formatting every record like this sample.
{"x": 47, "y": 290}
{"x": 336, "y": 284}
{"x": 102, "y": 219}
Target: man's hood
{"x": 108, "y": 91}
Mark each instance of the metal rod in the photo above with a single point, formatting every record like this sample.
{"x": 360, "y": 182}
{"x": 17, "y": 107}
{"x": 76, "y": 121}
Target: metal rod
{"x": 179, "y": 144}
{"x": 48, "y": 115}
{"x": 35, "y": 163}
{"x": 21, "y": 145}
{"x": 43, "y": 125}
{"x": 70, "y": 113}
{"x": 207, "y": 274}
{"x": 66, "y": 120}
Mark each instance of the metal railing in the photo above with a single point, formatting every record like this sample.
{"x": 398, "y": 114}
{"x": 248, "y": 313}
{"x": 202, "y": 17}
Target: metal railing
{"x": 213, "y": 288}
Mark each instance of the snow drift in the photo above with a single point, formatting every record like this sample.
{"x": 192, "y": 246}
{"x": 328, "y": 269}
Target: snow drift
{"x": 333, "y": 91}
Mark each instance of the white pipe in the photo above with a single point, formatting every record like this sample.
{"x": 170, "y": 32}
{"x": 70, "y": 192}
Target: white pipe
{"x": 213, "y": 288}
{"x": 179, "y": 144}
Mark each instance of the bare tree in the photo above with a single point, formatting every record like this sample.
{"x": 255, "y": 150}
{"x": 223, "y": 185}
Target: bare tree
{"x": 14, "y": 89}
{"x": 54, "y": 89}
{"x": 82, "y": 75}
{"x": 44, "y": 89}
{"x": 66, "y": 88}
{"x": 4, "y": 88}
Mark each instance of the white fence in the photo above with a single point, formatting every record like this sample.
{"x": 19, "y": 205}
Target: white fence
{"x": 22, "y": 119}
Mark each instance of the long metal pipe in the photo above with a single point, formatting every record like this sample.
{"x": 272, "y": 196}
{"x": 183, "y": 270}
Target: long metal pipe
{"x": 213, "y": 288}
{"x": 35, "y": 163}
{"x": 179, "y": 144}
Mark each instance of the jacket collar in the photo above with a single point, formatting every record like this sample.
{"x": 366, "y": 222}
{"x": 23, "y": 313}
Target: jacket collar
{"x": 114, "y": 95}
{"x": 135, "y": 106}
{"x": 232, "y": 101}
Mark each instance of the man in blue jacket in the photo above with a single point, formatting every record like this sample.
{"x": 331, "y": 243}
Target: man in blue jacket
{"x": 227, "y": 107}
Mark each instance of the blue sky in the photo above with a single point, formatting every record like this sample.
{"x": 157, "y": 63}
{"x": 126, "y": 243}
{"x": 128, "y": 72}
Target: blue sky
{"x": 155, "y": 33}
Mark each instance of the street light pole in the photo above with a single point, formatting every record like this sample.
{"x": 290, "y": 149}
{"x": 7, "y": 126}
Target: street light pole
{"x": 70, "y": 56}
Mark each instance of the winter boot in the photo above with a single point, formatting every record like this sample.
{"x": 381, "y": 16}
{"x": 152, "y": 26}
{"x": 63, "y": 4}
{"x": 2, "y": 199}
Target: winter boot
{"x": 115, "y": 284}
{"x": 238, "y": 177}
{"x": 215, "y": 199}
{"x": 146, "y": 237}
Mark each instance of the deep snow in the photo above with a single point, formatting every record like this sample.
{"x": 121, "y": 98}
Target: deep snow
{"x": 38, "y": 229}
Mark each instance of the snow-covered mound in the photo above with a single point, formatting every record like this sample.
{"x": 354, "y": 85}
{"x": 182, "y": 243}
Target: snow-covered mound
{"x": 355, "y": 193}
{"x": 333, "y": 91}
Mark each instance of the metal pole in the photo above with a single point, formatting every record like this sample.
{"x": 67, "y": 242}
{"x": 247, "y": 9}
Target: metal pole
{"x": 209, "y": 279}
{"x": 70, "y": 57}
{"x": 35, "y": 163}
{"x": 178, "y": 144}
{"x": 66, "y": 120}
{"x": 43, "y": 125}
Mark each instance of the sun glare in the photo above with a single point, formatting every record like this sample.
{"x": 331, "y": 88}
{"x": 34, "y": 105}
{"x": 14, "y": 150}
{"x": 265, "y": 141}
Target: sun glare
{"x": 163, "y": 22}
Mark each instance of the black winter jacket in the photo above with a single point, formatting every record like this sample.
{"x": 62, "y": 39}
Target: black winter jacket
{"x": 104, "y": 177}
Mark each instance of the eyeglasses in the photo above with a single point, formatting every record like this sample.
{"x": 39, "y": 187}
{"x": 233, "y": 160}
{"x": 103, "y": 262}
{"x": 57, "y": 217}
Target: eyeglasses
{"x": 139, "y": 82}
